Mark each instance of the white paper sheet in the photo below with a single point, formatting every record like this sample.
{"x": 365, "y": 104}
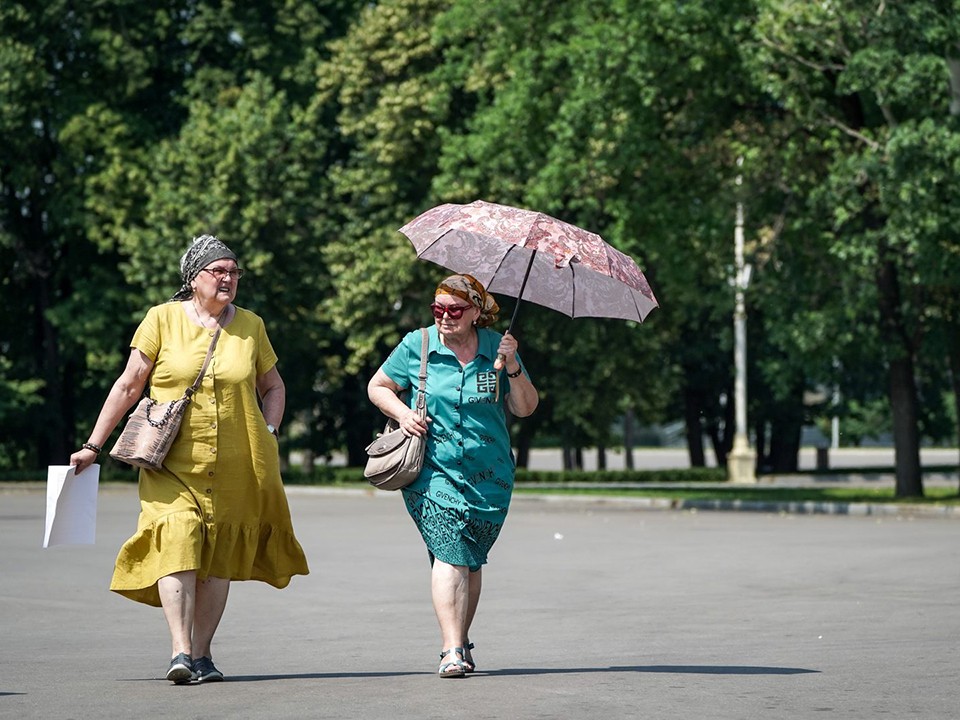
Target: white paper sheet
{"x": 71, "y": 505}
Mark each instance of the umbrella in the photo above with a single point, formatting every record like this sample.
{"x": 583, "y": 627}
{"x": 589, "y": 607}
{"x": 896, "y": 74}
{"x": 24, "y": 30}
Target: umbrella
{"x": 532, "y": 256}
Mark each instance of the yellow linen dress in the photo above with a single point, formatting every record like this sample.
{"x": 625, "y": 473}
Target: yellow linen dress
{"x": 218, "y": 505}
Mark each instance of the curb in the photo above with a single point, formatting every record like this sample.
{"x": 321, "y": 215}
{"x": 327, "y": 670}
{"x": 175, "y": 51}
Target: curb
{"x": 903, "y": 510}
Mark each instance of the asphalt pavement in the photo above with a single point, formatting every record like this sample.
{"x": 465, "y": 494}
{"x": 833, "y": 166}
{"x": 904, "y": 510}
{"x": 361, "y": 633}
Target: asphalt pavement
{"x": 591, "y": 610}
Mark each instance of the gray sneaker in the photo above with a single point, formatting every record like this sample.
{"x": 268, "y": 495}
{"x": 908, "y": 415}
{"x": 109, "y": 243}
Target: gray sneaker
{"x": 181, "y": 669}
{"x": 206, "y": 671}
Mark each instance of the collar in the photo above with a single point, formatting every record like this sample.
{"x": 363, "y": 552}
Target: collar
{"x": 488, "y": 343}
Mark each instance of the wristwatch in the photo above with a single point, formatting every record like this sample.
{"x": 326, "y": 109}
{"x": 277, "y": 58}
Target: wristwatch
{"x": 273, "y": 430}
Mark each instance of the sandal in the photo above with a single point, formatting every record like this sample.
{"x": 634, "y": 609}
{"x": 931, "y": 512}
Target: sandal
{"x": 468, "y": 665}
{"x": 458, "y": 667}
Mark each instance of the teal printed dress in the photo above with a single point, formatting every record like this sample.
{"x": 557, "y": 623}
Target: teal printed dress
{"x": 461, "y": 497}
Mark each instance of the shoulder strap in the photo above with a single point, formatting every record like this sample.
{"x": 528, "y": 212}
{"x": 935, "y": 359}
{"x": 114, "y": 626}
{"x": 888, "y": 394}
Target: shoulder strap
{"x": 206, "y": 361}
{"x": 421, "y": 390}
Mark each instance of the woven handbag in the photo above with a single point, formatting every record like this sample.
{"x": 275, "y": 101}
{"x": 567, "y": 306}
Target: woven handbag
{"x": 394, "y": 460}
{"x": 153, "y": 426}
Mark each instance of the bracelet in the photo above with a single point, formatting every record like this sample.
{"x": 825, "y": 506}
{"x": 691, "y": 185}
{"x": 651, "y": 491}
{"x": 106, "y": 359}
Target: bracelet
{"x": 90, "y": 446}
{"x": 515, "y": 374}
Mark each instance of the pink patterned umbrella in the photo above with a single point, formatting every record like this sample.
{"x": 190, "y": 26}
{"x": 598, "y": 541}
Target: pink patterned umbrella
{"x": 535, "y": 257}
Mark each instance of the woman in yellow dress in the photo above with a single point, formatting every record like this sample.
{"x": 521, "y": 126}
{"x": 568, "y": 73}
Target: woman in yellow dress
{"x": 216, "y": 511}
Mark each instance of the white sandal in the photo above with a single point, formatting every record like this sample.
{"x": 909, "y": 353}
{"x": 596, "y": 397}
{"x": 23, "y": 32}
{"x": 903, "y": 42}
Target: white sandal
{"x": 469, "y": 665}
{"x": 457, "y": 665}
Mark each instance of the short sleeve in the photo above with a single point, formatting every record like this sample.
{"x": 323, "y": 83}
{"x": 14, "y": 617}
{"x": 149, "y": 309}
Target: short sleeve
{"x": 147, "y": 338}
{"x": 266, "y": 356}
{"x": 397, "y": 364}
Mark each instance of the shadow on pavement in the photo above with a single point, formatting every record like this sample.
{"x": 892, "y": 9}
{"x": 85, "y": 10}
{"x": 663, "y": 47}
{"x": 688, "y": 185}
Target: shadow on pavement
{"x": 291, "y": 676}
{"x": 679, "y": 669}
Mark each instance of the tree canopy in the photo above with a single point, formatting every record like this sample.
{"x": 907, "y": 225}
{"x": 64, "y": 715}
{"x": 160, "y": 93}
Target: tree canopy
{"x": 306, "y": 133}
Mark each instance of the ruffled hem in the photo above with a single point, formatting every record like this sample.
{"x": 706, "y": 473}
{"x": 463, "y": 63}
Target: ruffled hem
{"x": 180, "y": 542}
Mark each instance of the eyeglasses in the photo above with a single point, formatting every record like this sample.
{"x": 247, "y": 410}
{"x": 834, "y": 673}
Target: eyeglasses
{"x": 220, "y": 273}
{"x": 454, "y": 311}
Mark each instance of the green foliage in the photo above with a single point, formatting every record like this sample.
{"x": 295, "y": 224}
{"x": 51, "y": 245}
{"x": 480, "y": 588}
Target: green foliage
{"x": 305, "y": 134}
{"x": 863, "y": 93}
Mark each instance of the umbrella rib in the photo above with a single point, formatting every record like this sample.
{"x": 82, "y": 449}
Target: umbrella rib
{"x": 499, "y": 265}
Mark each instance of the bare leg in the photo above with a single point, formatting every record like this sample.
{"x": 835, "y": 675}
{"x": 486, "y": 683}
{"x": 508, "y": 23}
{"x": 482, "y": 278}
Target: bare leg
{"x": 211, "y": 601}
{"x": 178, "y": 594}
{"x": 476, "y": 582}
{"x": 450, "y": 586}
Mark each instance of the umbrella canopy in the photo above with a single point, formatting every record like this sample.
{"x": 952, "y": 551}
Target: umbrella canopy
{"x": 535, "y": 257}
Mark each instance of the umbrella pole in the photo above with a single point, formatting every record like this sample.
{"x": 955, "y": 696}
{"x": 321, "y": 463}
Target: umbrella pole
{"x": 499, "y": 364}
{"x": 523, "y": 285}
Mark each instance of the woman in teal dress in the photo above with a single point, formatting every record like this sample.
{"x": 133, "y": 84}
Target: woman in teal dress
{"x": 461, "y": 497}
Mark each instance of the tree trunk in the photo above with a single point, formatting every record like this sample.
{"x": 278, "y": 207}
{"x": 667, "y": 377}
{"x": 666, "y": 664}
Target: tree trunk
{"x": 722, "y": 440}
{"x": 523, "y": 450}
{"x": 955, "y": 382}
{"x": 601, "y": 457}
{"x": 360, "y": 418}
{"x": 694, "y": 427}
{"x": 953, "y": 358}
{"x": 628, "y": 438}
{"x": 903, "y": 388}
{"x": 760, "y": 445}
{"x": 786, "y": 429}
{"x": 785, "y": 435}
{"x": 52, "y": 438}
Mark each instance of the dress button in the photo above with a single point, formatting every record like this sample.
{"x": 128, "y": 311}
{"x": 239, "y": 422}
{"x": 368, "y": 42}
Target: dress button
{"x": 213, "y": 426}
{"x": 210, "y": 518}
{"x": 458, "y": 388}
{"x": 213, "y": 450}
{"x": 460, "y": 443}
{"x": 210, "y": 473}
{"x": 209, "y": 490}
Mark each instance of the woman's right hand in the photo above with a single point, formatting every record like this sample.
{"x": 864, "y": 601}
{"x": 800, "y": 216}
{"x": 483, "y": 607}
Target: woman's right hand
{"x": 82, "y": 459}
{"x": 411, "y": 424}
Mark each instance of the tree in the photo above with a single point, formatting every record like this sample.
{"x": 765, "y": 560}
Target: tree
{"x": 610, "y": 118}
{"x": 866, "y": 82}
{"x": 91, "y": 93}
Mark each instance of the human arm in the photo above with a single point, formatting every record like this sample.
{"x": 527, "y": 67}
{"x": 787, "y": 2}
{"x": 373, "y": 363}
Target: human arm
{"x": 522, "y": 399}
{"x": 382, "y": 392}
{"x": 273, "y": 396}
{"x": 124, "y": 393}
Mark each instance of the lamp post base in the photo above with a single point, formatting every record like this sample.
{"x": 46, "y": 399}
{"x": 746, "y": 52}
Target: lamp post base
{"x": 741, "y": 462}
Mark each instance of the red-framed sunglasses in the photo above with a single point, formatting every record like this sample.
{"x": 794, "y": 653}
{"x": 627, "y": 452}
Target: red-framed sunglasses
{"x": 454, "y": 311}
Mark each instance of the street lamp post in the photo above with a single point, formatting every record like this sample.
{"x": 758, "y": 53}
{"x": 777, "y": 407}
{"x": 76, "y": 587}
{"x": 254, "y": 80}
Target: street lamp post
{"x": 741, "y": 462}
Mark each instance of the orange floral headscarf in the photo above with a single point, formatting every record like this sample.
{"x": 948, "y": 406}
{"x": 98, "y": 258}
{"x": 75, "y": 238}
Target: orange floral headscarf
{"x": 467, "y": 287}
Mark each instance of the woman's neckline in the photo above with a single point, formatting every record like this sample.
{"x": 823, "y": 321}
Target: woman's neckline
{"x": 190, "y": 310}
{"x": 464, "y": 347}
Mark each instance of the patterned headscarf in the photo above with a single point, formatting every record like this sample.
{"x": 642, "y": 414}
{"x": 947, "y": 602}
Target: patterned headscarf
{"x": 467, "y": 287}
{"x": 204, "y": 250}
